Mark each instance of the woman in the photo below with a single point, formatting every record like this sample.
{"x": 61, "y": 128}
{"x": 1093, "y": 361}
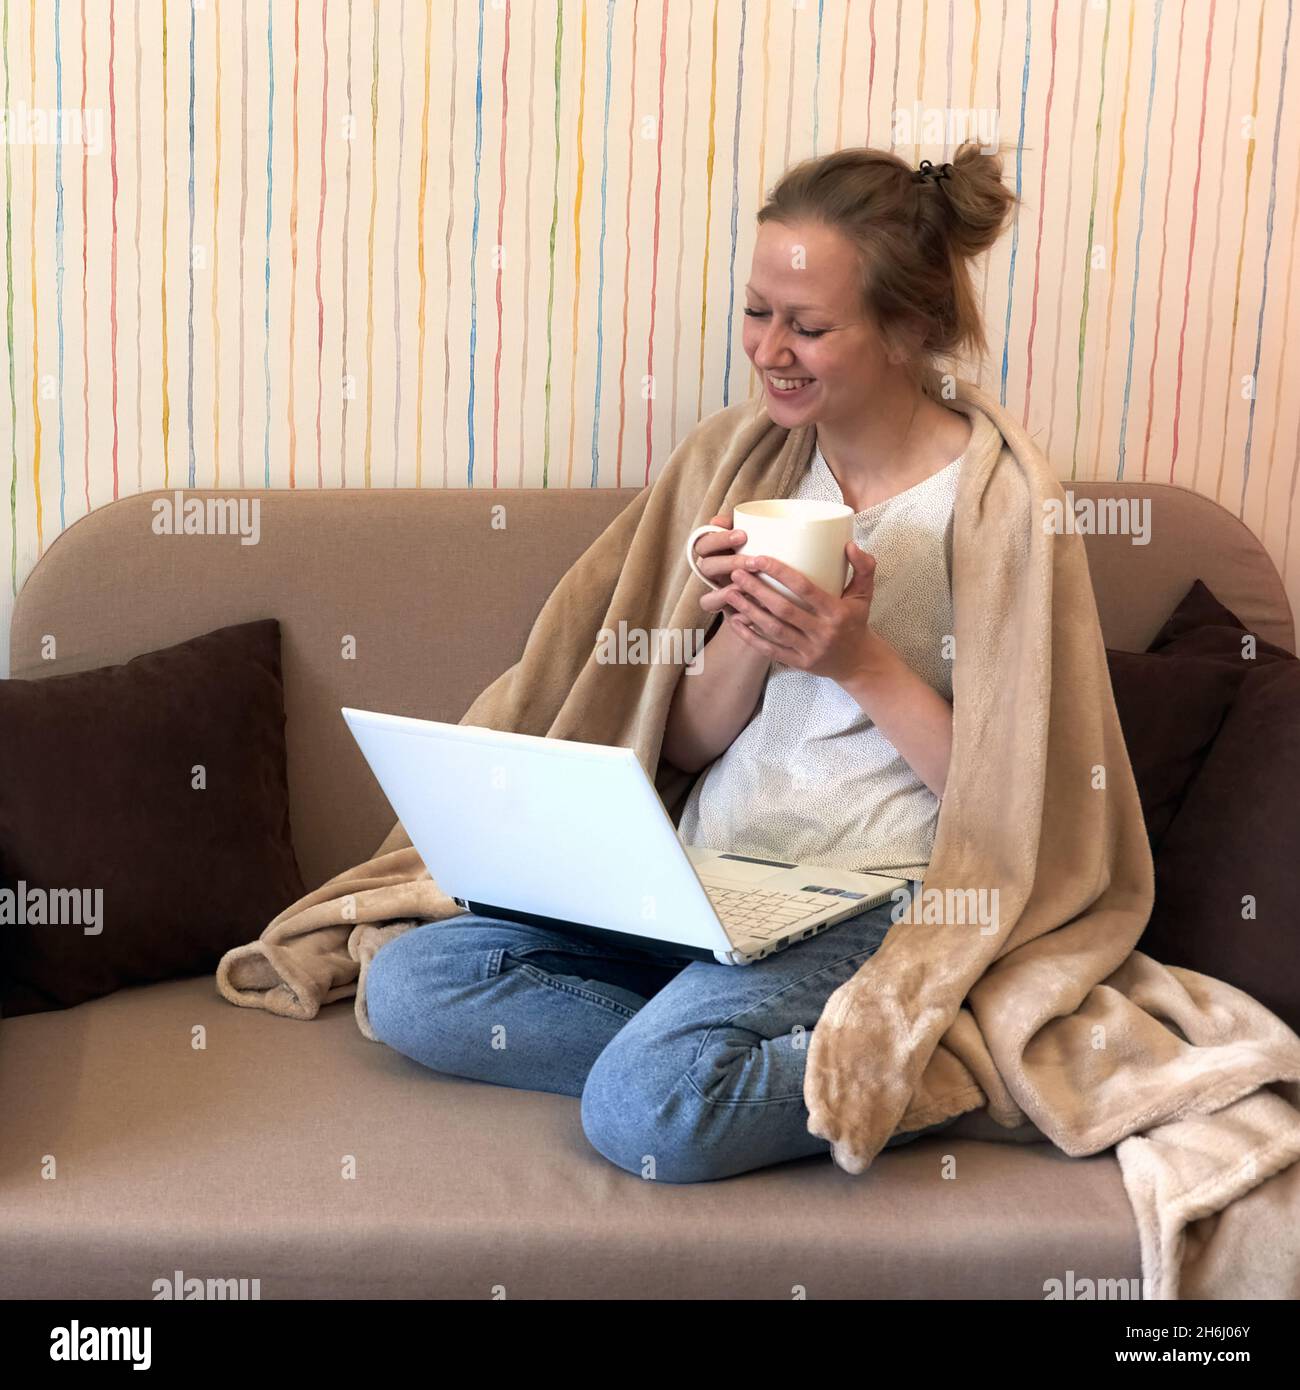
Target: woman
{"x": 816, "y": 732}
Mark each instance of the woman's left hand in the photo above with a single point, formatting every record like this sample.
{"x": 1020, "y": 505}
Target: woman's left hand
{"x": 832, "y": 637}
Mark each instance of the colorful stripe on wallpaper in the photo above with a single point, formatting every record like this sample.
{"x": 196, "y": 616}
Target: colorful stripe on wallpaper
{"x": 257, "y": 242}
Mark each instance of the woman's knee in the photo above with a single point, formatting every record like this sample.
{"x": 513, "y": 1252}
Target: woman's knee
{"x": 388, "y": 990}
{"x": 411, "y": 985}
{"x": 644, "y": 1127}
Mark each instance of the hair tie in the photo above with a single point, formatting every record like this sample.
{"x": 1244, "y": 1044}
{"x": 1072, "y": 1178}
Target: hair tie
{"x": 928, "y": 171}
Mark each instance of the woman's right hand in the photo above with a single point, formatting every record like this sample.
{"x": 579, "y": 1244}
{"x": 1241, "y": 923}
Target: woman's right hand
{"x": 716, "y": 556}
{"x": 723, "y": 687}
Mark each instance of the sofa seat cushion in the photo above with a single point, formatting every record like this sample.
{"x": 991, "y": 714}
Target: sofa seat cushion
{"x": 226, "y": 1162}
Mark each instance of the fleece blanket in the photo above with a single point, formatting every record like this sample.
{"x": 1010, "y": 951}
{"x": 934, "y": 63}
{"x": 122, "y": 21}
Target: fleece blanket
{"x": 1015, "y": 987}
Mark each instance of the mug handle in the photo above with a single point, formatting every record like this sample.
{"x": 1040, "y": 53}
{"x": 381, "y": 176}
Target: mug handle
{"x": 690, "y": 550}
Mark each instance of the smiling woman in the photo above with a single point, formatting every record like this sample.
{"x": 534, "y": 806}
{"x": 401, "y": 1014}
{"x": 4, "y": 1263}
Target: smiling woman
{"x": 823, "y": 728}
{"x": 860, "y": 285}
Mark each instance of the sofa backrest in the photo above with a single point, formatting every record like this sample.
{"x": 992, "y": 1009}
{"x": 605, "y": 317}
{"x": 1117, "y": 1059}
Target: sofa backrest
{"x": 438, "y": 596}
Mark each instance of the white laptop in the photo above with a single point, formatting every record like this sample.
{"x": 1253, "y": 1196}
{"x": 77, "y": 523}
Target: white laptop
{"x": 573, "y": 836}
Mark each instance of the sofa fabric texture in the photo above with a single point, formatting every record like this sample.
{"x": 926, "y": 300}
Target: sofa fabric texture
{"x": 226, "y": 1162}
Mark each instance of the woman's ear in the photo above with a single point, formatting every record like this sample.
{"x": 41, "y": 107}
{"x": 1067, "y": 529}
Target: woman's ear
{"x": 904, "y": 342}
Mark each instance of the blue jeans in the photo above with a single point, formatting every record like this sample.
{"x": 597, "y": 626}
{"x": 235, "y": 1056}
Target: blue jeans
{"x": 687, "y": 1070}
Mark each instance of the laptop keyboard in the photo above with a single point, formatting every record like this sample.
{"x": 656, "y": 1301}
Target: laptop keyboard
{"x": 763, "y": 913}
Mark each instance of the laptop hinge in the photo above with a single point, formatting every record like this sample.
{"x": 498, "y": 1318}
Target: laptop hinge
{"x": 644, "y": 945}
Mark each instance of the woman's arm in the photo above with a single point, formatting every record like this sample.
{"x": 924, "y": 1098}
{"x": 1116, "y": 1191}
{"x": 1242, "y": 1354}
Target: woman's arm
{"x": 713, "y": 705}
{"x": 911, "y": 714}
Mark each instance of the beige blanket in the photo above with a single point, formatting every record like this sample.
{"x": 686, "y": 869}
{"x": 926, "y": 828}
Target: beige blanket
{"x": 1044, "y": 1014}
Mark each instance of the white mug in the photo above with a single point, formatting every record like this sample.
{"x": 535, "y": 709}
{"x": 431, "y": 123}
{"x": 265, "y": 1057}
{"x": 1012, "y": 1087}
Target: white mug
{"x": 808, "y": 536}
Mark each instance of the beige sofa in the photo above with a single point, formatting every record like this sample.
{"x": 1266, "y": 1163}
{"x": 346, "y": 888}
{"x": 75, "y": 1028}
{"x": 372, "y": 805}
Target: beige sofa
{"x": 227, "y": 1162}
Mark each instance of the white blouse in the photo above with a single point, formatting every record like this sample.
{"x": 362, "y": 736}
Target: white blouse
{"x": 811, "y": 778}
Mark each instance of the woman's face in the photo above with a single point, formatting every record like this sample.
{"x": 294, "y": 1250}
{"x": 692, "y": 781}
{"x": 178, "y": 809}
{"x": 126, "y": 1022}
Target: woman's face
{"x": 804, "y": 322}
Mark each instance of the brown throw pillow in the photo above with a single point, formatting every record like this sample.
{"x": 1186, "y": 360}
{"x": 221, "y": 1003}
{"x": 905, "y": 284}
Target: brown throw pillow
{"x": 144, "y": 818}
{"x": 1170, "y": 709}
{"x": 1202, "y": 626}
{"x": 1227, "y": 873}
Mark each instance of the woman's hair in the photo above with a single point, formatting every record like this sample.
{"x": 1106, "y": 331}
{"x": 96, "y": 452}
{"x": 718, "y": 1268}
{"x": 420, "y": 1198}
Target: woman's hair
{"x": 915, "y": 239}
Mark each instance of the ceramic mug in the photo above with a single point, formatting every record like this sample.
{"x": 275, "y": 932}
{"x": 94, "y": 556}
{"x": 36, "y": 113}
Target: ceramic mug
{"x": 808, "y": 536}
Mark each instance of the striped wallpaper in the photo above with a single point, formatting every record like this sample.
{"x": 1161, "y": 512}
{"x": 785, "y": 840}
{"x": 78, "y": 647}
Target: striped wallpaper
{"x": 367, "y": 243}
